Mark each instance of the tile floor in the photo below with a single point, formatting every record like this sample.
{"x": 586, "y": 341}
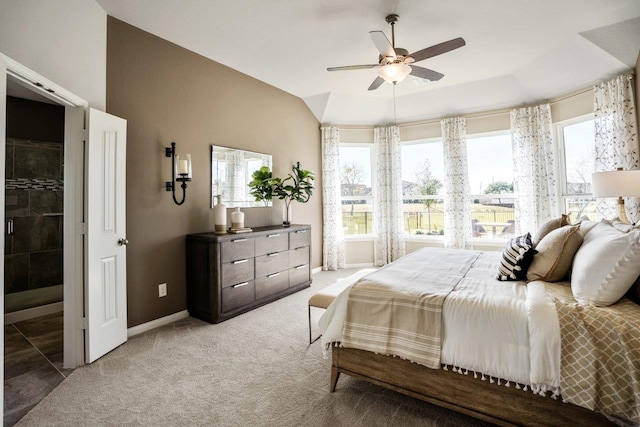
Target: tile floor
{"x": 32, "y": 363}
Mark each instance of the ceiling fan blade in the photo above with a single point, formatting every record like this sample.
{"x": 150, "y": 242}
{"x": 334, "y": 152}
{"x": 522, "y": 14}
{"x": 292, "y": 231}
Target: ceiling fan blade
{"x": 382, "y": 43}
{"x": 425, "y": 73}
{"x": 438, "y": 49}
{"x": 376, "y": 83}
{"x": 353, "y": 67}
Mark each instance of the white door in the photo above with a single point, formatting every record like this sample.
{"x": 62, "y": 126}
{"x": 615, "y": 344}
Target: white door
{"x": 106, "y": 251}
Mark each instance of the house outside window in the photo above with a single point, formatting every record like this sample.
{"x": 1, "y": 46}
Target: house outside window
{"x": 576, "y": 143}
{"x": 356, "y": 188}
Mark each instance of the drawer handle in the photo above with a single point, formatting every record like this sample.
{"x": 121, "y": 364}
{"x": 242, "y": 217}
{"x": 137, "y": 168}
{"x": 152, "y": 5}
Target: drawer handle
{"x": 299, "y": 247}
{"x": 272, "y": 275}
{"x": 274, "y": 254}
{"x": 273, "y": 235}
{"x": 239, "y": 285}
{"x": 301, "y": 231}
{"x": 240, "y": 261}
{"x": 239, "y": 240}
{"x": 301, "y": 266}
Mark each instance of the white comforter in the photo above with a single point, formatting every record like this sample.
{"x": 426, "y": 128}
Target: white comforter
{"x": 507, "y": 330}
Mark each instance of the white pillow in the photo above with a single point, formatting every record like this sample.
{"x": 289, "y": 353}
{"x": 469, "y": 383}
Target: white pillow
{"x": 606, "y": 265}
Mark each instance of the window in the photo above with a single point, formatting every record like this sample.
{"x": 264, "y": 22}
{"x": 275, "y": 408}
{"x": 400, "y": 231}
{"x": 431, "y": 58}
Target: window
{"x": 356, "y": 189}
{"x": 577, "y": 146}
{"x": 490, "y": 166}
{"x": 423, "y": 187}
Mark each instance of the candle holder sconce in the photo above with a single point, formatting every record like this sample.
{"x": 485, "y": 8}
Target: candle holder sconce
{"x": 180, "y": 172}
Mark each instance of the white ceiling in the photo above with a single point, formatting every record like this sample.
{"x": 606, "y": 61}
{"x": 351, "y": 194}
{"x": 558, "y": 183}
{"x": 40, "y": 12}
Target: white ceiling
{"x": 516, "y": 52}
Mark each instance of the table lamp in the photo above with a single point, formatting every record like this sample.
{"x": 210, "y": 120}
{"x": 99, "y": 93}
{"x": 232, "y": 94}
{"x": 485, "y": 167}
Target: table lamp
{"x": 618, "y": 183}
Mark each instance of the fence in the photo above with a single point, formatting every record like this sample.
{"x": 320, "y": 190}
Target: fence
{"x": 425, "y": 222}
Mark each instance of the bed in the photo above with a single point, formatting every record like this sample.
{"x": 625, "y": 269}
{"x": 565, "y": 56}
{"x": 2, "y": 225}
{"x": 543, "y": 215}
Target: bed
{"x": 496, "y": 350}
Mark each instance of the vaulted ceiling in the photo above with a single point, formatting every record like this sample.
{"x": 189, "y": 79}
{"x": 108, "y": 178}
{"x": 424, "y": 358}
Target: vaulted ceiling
{"x": 517, "y": 52}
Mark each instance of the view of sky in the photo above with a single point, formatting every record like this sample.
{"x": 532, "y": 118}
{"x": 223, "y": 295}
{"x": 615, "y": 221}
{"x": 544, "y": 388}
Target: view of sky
{"x": 489, "y": 158}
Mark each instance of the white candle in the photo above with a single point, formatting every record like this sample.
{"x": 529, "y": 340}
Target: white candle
{"x": 183, "y": 167}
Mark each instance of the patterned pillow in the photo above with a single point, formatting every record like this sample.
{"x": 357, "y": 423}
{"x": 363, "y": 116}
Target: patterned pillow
{"x": 516, "y": 258}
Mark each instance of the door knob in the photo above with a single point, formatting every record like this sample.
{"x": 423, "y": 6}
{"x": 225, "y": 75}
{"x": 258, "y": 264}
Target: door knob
{"x": 123, "y": 242}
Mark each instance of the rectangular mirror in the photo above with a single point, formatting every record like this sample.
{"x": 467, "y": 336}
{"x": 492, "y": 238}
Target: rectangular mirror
{"x": 231, "y": 172}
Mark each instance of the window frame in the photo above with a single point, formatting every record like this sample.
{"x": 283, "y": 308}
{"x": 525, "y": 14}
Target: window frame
{"x": 369, "y": 236}
{"x": 424, "y": 237}
{"x": 561, "y": 167}
{"x": 492, "y": 241}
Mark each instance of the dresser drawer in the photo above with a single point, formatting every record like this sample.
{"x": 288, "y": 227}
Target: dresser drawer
{"x": 271, "y": 284}
{"x": 299, "y": 274}
{"x": 239, "y": 248}
{"x": 299, "y": 256}
{"x": 272, "y": 263}
{"x": 238, "y": 295}
{"x": 299, "y": 238}
{"x": 237, "y": 271}
{"x": 272, "y": 242}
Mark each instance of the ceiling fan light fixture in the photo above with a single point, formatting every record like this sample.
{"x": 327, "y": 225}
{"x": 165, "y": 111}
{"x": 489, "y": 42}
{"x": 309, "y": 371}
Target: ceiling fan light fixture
{"x": 394, "y": 73}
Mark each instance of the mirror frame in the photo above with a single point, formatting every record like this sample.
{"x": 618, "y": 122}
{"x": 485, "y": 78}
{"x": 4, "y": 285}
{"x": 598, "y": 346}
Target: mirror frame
{"x": 242, "y": 177}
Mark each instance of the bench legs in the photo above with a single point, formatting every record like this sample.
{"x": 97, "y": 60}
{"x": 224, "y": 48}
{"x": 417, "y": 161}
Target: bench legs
{"x": 311, "y": 340}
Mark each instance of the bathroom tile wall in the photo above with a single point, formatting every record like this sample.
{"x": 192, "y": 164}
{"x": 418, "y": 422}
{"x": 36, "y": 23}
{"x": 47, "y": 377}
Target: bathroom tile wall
{"x": 34, "y": 203}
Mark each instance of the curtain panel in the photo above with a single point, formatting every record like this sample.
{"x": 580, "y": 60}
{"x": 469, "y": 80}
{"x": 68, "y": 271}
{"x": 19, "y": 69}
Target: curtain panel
{"x": 457, "y": 202}
{"x": 534, "y": 169}
{"x": 388, "y": 209}
{"x": 616, "y": 137}
{"x": 333, "y": 257}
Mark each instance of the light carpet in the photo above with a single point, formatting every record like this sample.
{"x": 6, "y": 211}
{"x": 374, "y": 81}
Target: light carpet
{"x": 256, "y": 369}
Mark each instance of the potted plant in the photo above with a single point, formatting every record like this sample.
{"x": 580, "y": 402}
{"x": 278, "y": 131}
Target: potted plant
{"x": 261, "y": 187}
{"x": 297, "y": 186}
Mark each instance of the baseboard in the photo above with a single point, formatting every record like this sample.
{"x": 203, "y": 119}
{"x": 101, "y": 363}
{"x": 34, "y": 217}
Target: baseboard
{"x": 144, "y": 327}
{"x": 30, "y": 313}
{"x": 316, "y": 270}
{"x": 361, "y": 265}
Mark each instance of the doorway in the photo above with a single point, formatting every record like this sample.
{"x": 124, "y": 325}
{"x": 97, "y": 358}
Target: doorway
{"x": 33, "y": 250}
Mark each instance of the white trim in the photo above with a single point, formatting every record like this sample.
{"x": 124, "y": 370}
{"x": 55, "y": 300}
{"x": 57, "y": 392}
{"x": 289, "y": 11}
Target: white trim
{"x": 144, "y": 327}
{"x": 31, "y": 313}
{"x": 43, "y": 86}
{"x": 316, "y": 270}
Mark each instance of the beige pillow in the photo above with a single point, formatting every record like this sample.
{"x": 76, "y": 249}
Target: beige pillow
{"x": 555, "y": 254}
{"x": 549, "y": 226}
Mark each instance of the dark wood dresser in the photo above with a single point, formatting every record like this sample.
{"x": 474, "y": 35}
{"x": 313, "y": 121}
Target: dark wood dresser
{"x": 229, "y": 274}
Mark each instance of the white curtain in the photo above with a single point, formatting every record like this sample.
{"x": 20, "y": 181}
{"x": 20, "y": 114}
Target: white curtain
{"x": 616, "y": 136}
{"x": 457, "y": 202}
{"x": 534, "y": 171}
{"x": 387, "y": 207}
{"x": 332, "y": 232}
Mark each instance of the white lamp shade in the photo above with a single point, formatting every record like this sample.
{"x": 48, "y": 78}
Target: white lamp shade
{"x": 395, "y": 72}
{"x": 616, "y": 184}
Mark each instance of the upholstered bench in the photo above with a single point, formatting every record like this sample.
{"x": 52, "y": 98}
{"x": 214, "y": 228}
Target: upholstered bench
{"x": 324, "y": 297}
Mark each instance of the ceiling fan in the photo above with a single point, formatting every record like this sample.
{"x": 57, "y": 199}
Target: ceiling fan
{"x": 395, "y": 63}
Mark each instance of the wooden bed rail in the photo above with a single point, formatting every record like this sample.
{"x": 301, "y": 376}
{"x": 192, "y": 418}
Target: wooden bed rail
{"x": 495, "y": 403}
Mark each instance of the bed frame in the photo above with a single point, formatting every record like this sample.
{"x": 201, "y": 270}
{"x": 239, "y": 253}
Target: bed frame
{"x": 500, "y": 405}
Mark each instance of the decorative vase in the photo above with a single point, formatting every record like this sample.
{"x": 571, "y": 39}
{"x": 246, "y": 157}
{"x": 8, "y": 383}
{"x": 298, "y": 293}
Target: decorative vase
{"x": 220, "y": 215}
{"x": 237, "y": 219}
{"x": 286, "y": 215}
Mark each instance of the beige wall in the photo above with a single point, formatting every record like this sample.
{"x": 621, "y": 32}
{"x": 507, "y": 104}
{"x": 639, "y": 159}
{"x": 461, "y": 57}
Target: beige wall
{"x": 168, "y": 93}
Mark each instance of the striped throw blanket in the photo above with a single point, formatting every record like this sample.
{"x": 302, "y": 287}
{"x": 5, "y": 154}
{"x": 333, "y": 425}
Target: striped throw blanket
{"x": 397, "y": 310}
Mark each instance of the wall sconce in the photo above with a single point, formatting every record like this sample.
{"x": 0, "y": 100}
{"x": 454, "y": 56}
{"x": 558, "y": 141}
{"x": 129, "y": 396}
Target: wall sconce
{"x": 618, "y": 183}
{"x": 180, "y": 168}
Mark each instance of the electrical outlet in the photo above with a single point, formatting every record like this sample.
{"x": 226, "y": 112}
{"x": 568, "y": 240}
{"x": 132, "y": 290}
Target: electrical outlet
{"x": 162, "y": 290}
